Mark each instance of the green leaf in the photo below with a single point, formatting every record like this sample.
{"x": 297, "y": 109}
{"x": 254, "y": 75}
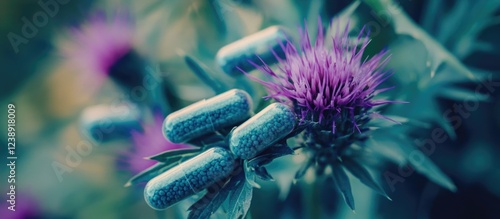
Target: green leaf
{"x": 422, "y": 64}
{"x": 210, "y": 202}
{"x": 303, "y": 169}
{"x": 167, "y": 160}
{"x": 403, "y": 25}
{"x": 204, "y": 74}
{"x": 269, "y": 155}
{"x": 174, "y": 154}
{"x": 250, "y": 174}
{"x": 363, "y": 175}
{"x": 429, "y": 169}
{"x": 462, "y": 25}
{"x": 201, "y": 210}
{"x": 461, "y": 94}
{"x": 263, "y": 174}
{"x": 341, "y": 180}
{"x": 329, "y": 193}
{"x": 151, "y": 172}
{"x": 240, "y": 199}
{"x": 381, "y": 144}
{"x": 424, "y": 165}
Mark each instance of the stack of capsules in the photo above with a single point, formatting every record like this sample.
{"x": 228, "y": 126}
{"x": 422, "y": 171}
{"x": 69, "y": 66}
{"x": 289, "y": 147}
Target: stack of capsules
{"x": 252, "y": 135}
{"x": 226, "y": 110}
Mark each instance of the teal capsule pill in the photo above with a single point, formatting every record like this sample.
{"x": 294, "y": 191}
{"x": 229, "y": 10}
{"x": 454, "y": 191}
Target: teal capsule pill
{"x": 250, "y": 48}
{"x": 224, "y": 110}
{"x": 262, "y": 130}
{"x": 189, "y": 178}
{"x": 104, "y": 123}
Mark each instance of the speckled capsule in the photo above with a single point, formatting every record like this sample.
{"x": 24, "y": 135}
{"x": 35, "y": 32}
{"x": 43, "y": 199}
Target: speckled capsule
{"x": 189, "y": 178}
{"x": 207, "y": 116}
{"x": 262, "y": 130}
{"x": 240, "y": 52}
{"x": 107, "y": 122}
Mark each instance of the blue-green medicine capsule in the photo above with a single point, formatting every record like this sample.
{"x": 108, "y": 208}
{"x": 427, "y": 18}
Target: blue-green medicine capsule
{"x": 262, "y": 130}
{"x": 240, "y": 52}
{"x": 207, "y": 116}
{"x": 109, "y": 122}
{"x": 189, "y": 178}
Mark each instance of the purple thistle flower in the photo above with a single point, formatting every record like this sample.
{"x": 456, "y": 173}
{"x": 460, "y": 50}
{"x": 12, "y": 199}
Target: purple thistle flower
{"x": 149, "y": 142}
{"x": 332, "y": 86}
{"x": 97, "y": 44}
{"x": 104, "y": 46}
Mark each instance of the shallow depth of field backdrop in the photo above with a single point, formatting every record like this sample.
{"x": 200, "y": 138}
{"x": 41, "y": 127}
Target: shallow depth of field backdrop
{"x": 445, "y": 59}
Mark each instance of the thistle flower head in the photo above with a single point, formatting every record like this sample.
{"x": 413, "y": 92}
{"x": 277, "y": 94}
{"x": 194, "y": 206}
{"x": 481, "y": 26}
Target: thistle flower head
{"x": 99, "y": 43}
{"x": 330, "y": 85}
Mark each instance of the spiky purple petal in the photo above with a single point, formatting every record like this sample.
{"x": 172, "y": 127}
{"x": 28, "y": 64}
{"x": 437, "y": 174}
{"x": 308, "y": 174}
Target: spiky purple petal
{"x": 328, "y": 85}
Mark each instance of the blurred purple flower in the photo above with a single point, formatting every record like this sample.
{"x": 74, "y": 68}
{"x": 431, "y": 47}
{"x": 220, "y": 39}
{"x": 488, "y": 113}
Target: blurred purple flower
{"x": 148, "y": 143}
{"x": 332, "y": 86}
{"x": 95, "y": 46}
{"x": 25, "y": 207}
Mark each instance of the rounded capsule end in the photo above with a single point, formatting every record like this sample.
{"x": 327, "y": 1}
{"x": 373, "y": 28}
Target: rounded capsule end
{"x": 234, "y": 56}
{"x": 168, "y": 130}
{"x": 246, "y": 100}
{"x": 151, "y": 198}
{"x": 189, "y": 177}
